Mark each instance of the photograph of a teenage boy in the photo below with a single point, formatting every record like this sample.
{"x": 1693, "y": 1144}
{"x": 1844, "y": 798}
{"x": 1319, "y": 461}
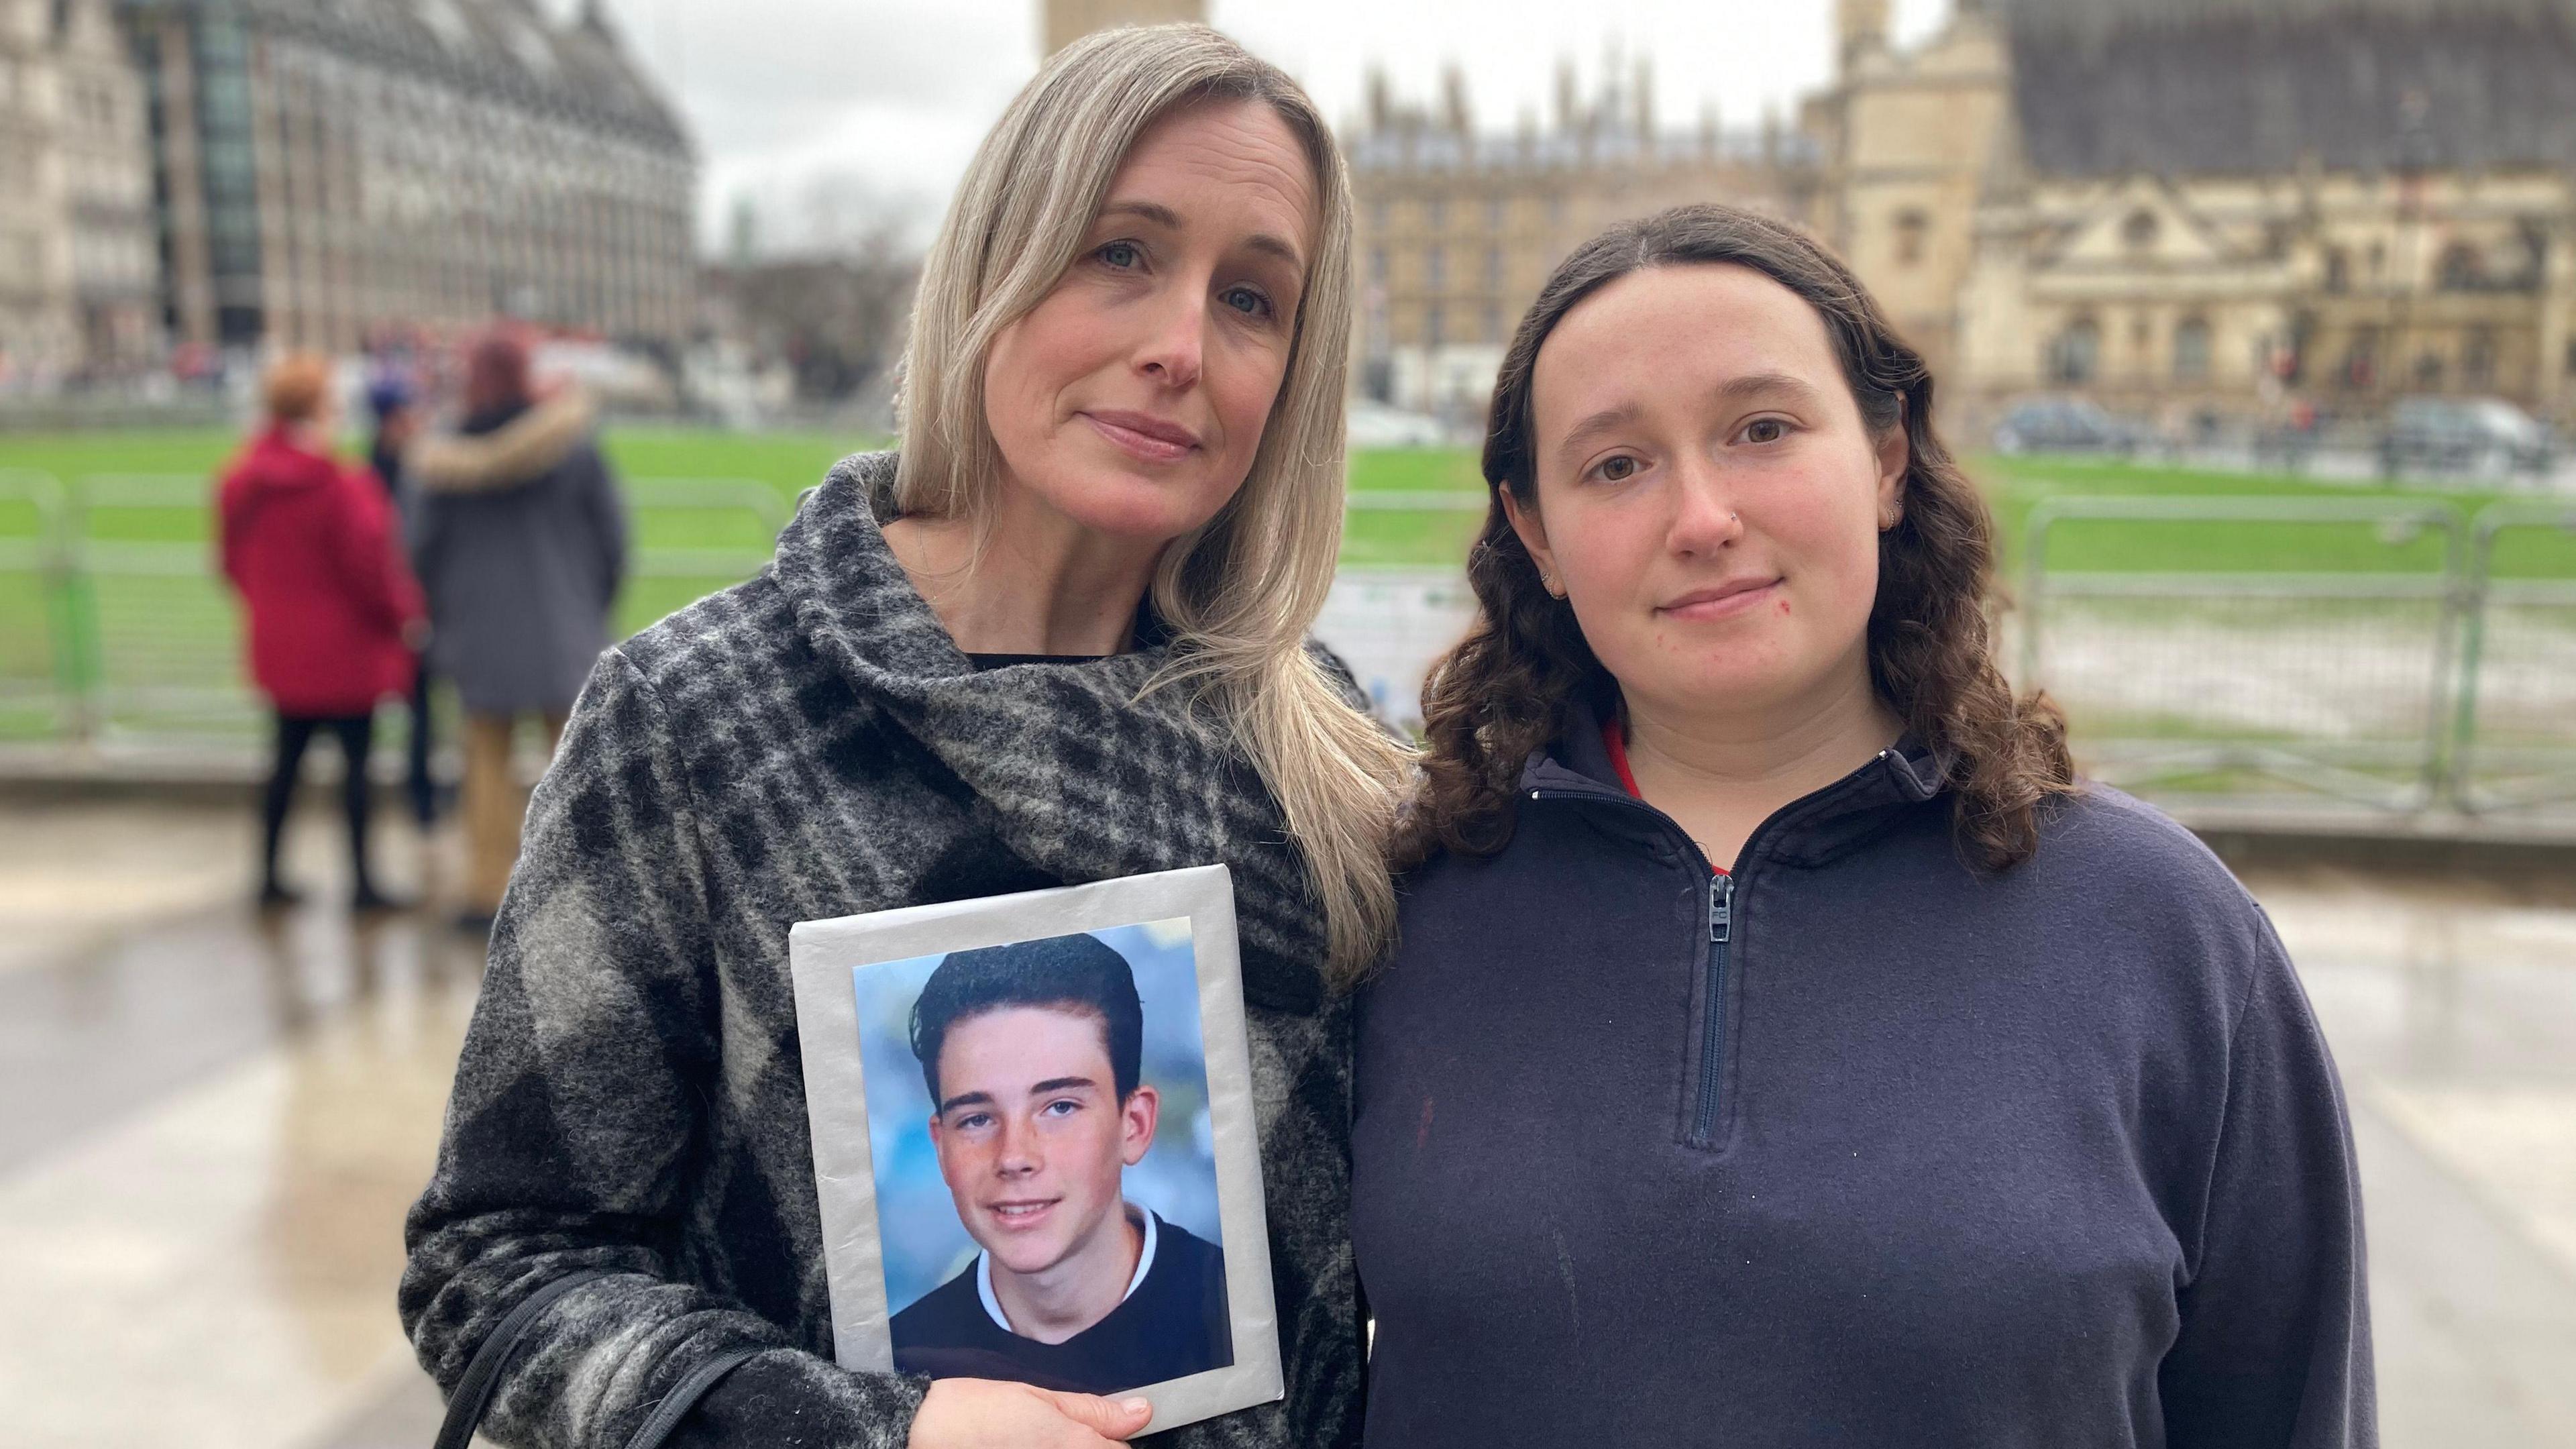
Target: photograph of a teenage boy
{"x": 1032, "y": 1053}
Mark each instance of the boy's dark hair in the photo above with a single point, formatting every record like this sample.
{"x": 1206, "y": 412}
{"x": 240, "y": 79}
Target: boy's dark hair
{"x": 1076, "y": 972}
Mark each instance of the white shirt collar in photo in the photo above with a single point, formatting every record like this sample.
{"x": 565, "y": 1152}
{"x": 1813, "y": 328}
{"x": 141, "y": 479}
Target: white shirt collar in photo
{"x": 993, "y": 1305}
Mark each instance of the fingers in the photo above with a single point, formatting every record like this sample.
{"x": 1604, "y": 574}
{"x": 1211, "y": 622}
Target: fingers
{"x": 1113, "y": 1419}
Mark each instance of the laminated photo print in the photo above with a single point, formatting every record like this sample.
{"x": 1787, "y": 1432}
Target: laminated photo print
{"x": 1034, "y": 1146}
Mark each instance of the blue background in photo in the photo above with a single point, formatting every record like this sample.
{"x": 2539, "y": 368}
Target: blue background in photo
{"x": 924, "y": 1244}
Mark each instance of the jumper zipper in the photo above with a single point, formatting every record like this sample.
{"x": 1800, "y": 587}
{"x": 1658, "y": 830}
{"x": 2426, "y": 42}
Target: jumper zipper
{"x": 1723, "y": 918}
{"x": 1721, "y": 927}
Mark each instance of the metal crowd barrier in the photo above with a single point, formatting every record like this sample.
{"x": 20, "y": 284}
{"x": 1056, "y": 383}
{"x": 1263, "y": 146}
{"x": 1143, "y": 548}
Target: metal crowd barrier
{"x": 37, "y": 659}
{"x": 2516, "y": 727}
{"x": 2430, "y": 660}
{"x": 693, "y": 537}
{"x": 160, "y": 636}
{"x": 2404, "y": 674}
{"x": 143, "y": 643}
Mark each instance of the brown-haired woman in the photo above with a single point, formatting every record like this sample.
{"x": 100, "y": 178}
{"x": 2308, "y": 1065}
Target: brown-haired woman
{"x": 1781, "y": 1047}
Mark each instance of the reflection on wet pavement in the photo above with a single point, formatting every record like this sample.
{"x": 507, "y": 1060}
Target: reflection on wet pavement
{"x": 214, "y": 1124}
{"x": 2451, "y": 1007}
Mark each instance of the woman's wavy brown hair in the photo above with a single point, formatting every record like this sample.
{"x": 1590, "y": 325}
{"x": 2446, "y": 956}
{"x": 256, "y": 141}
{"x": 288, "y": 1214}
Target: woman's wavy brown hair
{"x": 1503, "y": 692}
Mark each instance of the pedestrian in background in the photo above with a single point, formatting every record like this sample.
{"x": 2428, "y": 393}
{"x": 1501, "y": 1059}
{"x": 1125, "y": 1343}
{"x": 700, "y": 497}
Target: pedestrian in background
{"x": 311, "y": 546}
{"x": 520, "y": 540}
{"x": 397, "y": 415}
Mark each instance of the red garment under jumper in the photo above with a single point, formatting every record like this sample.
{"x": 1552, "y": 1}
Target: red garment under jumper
{"x": 311, "y": 546}
{"x": 1614, "y": 738}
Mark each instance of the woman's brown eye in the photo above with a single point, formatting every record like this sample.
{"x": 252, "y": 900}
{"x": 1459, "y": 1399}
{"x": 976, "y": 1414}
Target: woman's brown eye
{"x": 1618, "y": 469}
{"x": 1765, "y": 431}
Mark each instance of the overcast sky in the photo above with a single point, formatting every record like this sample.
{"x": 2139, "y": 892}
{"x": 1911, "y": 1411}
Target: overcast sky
{"x": 824, "y": 113}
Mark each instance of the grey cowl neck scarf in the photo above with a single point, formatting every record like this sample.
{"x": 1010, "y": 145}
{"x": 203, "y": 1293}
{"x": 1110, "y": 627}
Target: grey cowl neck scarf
{"x": 1071, "y": 772}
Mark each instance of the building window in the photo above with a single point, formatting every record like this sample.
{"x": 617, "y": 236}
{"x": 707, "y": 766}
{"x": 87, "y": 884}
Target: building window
{"x": 1377, "y": 217}
{"x": 2076, "y": 355}
{"x": 1493, "y": 323}
{"x": 2460, "y": 269}
{"x": 1494, "y": 214}
{"x": 2478, "y": 358}
{"x": 1911, "y": 228}
{"x": 2338, "y": 270}
{"x": 1431, "y": 325}
{"x": 1435, "y": 267}
{"x": 1493, "y": 266}
{"x": 2361, "y": 359}
{"x": 1377, "y": 265}
{"x": 1439, "y": 210}
{"x": 2139, "y": 231}
{"x": 2191, "y": 350}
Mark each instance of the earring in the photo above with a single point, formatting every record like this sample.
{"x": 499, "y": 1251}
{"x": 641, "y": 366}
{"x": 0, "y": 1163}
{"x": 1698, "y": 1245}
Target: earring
{"x": 1547, "y": 581}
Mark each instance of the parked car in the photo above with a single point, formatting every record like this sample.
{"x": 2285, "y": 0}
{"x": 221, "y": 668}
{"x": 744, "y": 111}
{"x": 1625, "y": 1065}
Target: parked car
{"x": 2469, "y": 434}
{"x": 2066, "y": 425}
{"x": 1375, "y": 425}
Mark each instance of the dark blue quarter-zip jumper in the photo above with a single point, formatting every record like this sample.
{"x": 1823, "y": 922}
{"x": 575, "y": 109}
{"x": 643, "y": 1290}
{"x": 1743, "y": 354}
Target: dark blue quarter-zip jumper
{"x": 1853, "y": 1146}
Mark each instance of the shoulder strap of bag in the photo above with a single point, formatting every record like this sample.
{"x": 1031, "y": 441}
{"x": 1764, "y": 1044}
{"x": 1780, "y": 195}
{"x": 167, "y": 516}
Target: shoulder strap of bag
{"x": 684, "y": 1396}
{"x": 474, "y": 1391}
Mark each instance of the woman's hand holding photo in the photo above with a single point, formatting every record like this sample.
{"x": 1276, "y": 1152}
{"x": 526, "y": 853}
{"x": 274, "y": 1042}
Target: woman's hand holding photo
{"x": 991, "y": 1414}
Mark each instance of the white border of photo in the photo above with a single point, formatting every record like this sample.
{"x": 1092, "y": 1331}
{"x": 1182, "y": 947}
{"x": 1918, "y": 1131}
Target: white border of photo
{"x": 823, "y": 954}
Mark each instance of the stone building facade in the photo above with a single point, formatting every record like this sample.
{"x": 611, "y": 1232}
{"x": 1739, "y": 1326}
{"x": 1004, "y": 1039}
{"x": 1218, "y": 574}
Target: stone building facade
{"x": 1062, "y": 22}
{"x": 1458, "y": 227}
{"x": 2182, "y": 206}
{"x": 329, "y": 169}
{"x": 2220, "y": 205}
{"x": 77, "y": 264}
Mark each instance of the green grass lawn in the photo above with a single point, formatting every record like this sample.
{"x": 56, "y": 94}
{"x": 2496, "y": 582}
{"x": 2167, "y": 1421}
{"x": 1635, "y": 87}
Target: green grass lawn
{"x": 169, "y": 642}
{"x": 788, "y": 463}
{"x": 2016, "y": 485}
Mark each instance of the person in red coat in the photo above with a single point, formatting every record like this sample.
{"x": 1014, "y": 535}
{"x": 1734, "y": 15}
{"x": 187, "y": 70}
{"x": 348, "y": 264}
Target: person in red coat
{"x": 334, "y": 611}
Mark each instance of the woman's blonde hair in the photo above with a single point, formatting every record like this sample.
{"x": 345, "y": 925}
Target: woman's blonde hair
{"x": 1240, "y": 593}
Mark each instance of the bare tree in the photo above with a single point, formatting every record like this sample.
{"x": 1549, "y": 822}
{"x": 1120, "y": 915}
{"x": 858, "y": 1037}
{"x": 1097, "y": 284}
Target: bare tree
{"x": 836, "y": 306}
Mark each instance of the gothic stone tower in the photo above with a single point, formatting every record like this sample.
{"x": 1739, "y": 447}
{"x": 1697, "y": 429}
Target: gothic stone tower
{"x": 1066, "y": 21}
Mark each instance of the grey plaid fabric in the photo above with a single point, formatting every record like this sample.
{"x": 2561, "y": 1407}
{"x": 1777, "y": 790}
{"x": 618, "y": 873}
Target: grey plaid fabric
{"x": 806, "y": 745}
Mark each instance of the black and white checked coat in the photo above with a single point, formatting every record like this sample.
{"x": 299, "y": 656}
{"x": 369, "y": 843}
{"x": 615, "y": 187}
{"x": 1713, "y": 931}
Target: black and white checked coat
{"x": 812, "y": 744}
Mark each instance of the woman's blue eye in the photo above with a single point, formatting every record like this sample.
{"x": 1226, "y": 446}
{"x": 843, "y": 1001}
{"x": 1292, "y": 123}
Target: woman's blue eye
{"x": 1247, "y": 301}
{"x": 1121, "y": 254}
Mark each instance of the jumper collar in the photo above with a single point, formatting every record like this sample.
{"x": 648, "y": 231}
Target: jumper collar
{"x": 1135, "y": 1280}
{"x": 1817, "y": 828}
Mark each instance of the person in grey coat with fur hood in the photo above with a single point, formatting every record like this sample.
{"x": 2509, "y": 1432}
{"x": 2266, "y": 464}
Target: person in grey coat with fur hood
{"x": 519, "y": 539}
{"x": 1059, "y": 638}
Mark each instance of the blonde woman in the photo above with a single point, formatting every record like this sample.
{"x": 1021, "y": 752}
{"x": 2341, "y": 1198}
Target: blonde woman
{"x": 1060, "y": 638}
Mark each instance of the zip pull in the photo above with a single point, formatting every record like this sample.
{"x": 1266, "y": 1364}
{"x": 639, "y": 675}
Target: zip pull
{"x": 1721, "y": 907}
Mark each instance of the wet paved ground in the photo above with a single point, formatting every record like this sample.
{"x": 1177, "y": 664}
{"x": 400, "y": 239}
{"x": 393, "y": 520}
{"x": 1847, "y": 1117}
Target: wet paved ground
{"x": 210, "y": 1127}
